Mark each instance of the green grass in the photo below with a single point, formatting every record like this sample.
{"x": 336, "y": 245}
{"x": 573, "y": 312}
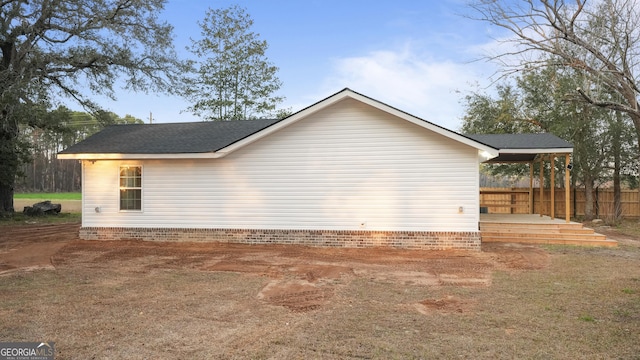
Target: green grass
{"x": 23, "y": 220}
{"x": 587, "y": 318}
{"x": 49, "y": 196}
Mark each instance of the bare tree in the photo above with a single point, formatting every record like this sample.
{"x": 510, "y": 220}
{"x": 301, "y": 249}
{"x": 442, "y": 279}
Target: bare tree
{"x": 600, "y": 40}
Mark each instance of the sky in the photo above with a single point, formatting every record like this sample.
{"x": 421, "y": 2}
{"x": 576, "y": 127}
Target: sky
{"x": 421, "y": 57}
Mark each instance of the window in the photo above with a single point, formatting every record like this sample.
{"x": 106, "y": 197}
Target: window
{"x": 131, "y": 188}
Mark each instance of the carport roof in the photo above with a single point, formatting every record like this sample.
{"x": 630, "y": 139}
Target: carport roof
{"x": 522, "y": 147}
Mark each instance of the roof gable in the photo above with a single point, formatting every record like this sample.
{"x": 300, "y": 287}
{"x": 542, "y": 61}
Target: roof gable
{"x": 215, "y": 139}
{"x": 348, "y": 93}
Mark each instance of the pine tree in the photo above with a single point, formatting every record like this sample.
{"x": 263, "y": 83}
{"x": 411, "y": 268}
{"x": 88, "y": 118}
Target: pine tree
{"x": 234, "y": 79}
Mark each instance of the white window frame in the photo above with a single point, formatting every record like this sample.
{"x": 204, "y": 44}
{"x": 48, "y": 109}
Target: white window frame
{"x": 121, "y": 188}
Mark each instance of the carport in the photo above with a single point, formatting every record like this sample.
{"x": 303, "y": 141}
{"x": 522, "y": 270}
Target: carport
{"x": 533, "y": 149}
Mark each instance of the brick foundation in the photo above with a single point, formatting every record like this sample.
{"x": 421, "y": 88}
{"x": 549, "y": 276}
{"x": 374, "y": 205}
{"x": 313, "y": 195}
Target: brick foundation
{"x": 423, "y": 240}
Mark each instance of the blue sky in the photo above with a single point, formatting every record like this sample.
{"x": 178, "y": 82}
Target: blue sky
{"x": 417, "y": 56}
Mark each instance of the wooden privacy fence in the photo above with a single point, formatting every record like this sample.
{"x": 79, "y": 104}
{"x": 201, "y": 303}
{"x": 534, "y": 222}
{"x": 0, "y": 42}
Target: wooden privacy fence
{"x": 516, "y": 201}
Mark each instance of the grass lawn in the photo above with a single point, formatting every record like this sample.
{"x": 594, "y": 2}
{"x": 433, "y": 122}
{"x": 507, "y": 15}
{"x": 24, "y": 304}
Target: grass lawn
{"x": 71, "y": 202}
{"x": 19, "y": 219}
{"x": 49, "y": 196}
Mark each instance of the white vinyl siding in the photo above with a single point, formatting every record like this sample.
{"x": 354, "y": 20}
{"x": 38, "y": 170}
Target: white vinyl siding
{"x": 346, "y": 167}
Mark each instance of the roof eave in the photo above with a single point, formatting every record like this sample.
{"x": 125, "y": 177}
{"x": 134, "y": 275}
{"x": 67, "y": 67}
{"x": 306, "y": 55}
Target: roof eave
{"x": 116, "y": 156}
{"x": 537, "y": 151}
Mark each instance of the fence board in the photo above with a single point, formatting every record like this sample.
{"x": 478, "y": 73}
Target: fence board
{"x": 516, "y": 201}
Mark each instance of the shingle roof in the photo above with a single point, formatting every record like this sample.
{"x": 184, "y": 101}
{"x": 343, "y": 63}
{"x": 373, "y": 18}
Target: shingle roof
{"x": 216, "y": 139}
{"x": 174, "y": 138}
{"x": 206, "y": 139}
{"x": 521, "y": 141}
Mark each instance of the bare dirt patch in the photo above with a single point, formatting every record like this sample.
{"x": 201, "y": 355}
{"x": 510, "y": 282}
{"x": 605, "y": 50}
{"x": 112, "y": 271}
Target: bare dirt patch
{"x": 517, "y": 257}
{"x": 302, "y": 278}
{"x": 32, "y": 247}
{"x": 448, "y": 304}
{"x": 136, "y": 300}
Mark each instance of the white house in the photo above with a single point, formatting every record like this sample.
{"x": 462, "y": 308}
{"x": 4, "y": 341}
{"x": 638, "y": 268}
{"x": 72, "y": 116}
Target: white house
{"x": 346, "y": 171}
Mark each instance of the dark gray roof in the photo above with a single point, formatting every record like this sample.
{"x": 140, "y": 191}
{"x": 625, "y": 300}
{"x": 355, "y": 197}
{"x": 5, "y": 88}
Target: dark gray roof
{"x": 521, "y": 141}
{"x": 174, "y": 138}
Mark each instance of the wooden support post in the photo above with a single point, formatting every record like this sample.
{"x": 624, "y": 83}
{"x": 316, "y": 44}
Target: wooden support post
{"x": 552, "y": 186}
{"x": 541, "y": 186}
{"x": 531, "y": 188}
{"x": 567, "y": 185}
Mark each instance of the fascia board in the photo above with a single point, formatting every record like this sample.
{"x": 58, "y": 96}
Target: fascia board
{"x": 208, "y": 155}
{"x": 538, "y": 151}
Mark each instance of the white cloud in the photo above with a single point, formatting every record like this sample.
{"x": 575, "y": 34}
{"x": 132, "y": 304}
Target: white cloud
{"x": 409, "y": 80}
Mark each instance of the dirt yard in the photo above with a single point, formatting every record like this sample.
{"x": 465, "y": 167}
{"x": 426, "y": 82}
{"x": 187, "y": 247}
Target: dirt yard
{"x": 140, "y": 300}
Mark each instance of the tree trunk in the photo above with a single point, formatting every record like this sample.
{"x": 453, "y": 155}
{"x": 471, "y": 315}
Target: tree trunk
{"x": 588, "y": 198}
{"x": 9, "y": 165}
{"x": 6, "y": 199}
{"x": 616, "y": 148}
{"x": 635, "y": 119}
{"x": 617, "y": 192}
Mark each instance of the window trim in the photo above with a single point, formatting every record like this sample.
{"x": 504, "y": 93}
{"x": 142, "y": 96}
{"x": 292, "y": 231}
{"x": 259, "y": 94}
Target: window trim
{"x": 141, "y": 188}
